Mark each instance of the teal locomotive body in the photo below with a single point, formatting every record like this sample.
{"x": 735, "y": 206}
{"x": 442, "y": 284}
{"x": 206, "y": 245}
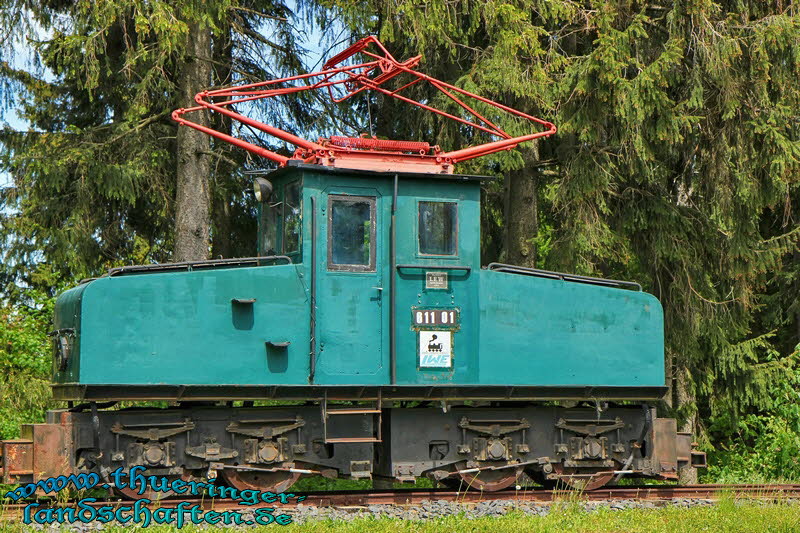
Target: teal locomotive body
{"x": 251, "y": 323}
{"x": 367, "y": 301}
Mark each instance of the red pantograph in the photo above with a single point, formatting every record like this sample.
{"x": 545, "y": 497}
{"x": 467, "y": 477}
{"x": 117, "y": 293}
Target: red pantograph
{"x": 363, "y": 152}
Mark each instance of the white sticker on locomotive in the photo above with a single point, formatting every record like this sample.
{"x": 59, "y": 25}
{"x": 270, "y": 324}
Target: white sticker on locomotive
{"x": 435, "y": 280}
{"x": 435, "y": 349}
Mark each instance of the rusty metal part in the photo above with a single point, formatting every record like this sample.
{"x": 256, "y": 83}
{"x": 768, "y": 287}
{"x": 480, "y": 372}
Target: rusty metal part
{"x": 584, "y": 479}
{"x": 591, "y": 428}
{"x": 17, "y": 461}
{"x": 211, "y": 451}
{"x": 480, "y": 476}
{"x": 372, "y": 143}
{"x": 150, "y": 432}
{"x": 151, "y": 453}
{"x": 687, "y": 452}
{"x": 39, "y": 454}
{"x": 495, "y": 428}
{"x": 491, "y": 480}
{"x": 665, "y": 447}
{"x": 249, "y": 477}
{"x": 361, "y": 469}
{"x": 263, "y": 429}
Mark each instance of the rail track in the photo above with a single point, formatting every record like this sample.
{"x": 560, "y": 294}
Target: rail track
{"x": 355, "y": 499}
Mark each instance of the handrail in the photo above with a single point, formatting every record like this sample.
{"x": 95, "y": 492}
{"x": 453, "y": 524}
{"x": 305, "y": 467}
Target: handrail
{"x": 440, "y": 267}
{"x": 514, "y": 269}
{"x": 196, "y": 264}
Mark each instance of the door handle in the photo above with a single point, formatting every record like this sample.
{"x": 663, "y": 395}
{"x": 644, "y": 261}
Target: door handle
{"x": 378, "y": 288}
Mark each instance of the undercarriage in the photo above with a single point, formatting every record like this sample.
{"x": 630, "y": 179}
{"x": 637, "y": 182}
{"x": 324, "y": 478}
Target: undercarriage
{"x": 486, "y": 445}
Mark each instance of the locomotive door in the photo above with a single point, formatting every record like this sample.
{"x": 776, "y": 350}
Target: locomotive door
{"x": 352, "y": 287}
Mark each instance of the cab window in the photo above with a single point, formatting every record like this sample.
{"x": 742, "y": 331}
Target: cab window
{"x": 267, "y": 229}
{"x": 292, "y": 217}
{"x": 438, "y": 228}
{"x": 351, "y": 233}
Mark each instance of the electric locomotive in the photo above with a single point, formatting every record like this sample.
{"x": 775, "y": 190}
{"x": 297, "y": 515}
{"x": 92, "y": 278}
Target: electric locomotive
{"x": 365, "y": 339}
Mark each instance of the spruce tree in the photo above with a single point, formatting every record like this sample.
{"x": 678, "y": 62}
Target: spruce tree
{"x": 677, "y": 161}
{"x": 95, "y": 178}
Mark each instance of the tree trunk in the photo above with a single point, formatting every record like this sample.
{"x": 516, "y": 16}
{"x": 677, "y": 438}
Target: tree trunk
{"x": 522, "y": 216}
{"x": 222, "y": 186}
{"x": 684, "y": 395}
{"x": 192, "y": 221}
{"x": 221, "y": 238}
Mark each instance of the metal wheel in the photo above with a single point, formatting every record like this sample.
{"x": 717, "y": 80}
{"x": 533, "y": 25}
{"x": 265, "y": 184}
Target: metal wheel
{"x": 583, "y": 478}
{"x": 259, "y": 479}
{"x": 488, "y": 480}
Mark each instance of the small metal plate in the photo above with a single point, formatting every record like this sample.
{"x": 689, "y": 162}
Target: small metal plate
{"x": 436, "y": 280}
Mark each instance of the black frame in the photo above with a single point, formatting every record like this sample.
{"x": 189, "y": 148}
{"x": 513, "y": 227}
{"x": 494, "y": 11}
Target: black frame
{"x": 284, "y": 203}
{"x": 420, "y": 253}
{"x": 373, "y": 245}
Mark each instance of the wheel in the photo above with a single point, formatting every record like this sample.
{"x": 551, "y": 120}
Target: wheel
{"x": 582, "y": 478}
{"x": 488, "y": 480}
{"x": 259, "y": 480}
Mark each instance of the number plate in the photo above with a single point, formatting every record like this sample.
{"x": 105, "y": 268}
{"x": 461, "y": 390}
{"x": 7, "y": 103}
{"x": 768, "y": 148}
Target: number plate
{"x": 435, "y": 317}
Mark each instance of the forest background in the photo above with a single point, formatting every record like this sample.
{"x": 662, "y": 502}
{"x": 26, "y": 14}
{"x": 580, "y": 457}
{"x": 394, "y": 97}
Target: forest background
{"x": 677, "y": 164}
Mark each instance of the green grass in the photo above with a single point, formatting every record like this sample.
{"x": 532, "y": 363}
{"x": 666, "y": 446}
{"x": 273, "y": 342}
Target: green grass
{"x": 571, "y": 518}
{"x": 775, "y": 518}
{"x": 726, "y": 516}
{"x": 318, "y": 483}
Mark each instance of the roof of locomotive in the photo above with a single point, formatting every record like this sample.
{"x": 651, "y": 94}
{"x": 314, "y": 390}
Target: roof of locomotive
{"x": 295, "y": 165}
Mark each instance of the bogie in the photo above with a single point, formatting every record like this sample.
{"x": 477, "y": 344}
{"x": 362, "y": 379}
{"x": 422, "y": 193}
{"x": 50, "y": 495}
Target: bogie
{"x": 269, "y": 449}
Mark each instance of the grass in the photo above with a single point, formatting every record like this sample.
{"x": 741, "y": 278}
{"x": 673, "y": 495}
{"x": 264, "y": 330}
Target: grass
{"x": 570, "y": 517}
{"x": 319, "y": 483}
{"x": 723, "y": 517}
{"x": 728, "y": 515}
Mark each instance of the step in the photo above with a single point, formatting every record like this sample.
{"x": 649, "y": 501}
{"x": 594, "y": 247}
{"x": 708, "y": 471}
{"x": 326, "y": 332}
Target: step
{"x": 343, "y": 440}
{"x": 354, "y": 411}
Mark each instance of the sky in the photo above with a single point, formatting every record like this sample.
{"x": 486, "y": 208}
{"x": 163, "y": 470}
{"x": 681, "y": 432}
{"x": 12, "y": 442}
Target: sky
{"x": 22, "y": 58}
{"x": 317, "y": 53}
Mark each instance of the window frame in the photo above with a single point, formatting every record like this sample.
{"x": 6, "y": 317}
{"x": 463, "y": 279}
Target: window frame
{"x": 265, "y": 210}
{"x": 372, "y": 267}
{"x": 420, "y": 253}
{"x": 283, "y": 232}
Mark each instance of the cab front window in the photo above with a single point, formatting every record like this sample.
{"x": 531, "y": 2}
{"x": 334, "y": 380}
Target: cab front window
{"x": 438, "y": 228}
{"x": 351, "y": 233}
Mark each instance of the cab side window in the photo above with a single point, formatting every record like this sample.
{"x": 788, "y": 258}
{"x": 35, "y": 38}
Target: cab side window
{"x": 351, "y": 233}
{"x": 292, "y": 217}
{"x": 268, "y": 229}
{"x": 438, "y": 228}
